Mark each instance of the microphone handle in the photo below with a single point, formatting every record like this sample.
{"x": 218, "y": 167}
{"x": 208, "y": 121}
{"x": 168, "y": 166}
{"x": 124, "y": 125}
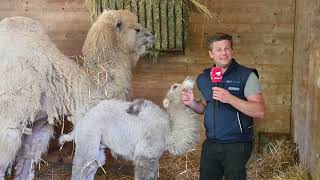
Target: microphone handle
{"x": 217, "y": 101}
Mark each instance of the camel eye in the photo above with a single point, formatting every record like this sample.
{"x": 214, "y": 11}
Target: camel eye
{"x": 174, "y": 87}
{"x": 137, "y": 30}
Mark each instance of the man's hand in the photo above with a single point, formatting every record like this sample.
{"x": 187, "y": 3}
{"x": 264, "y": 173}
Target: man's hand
{"x": 253, "y": 106}
{"x": 187, "y": 97}
{"x": 221, "y": 95}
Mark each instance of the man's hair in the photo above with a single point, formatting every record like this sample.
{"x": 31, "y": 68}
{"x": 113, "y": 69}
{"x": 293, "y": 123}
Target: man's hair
{"x": 219, "y": 37}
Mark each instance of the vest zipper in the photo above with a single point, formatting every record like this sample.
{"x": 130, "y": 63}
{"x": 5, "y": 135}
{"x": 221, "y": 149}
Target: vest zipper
{"x": 239, "y": 122}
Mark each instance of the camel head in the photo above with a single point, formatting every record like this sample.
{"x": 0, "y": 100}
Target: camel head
{"x": 117, "y": 31}
{"x": 173, "y": 95}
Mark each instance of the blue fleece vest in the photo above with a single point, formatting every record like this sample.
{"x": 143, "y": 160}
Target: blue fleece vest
{"x": 223, "y": 122}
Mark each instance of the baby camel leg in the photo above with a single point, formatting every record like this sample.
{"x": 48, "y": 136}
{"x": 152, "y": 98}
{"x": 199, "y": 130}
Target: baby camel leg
{"x": 33, "y": 146}
{"x": 145, "y": 168}
{"x": 101, "y": 159}
{"x": 10, "y": 142}
{"x": 89, "y": 155}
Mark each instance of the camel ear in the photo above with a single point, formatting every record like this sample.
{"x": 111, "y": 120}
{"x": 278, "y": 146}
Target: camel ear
{"x": 166, "y": 103}
{"x": 119, "y": 25}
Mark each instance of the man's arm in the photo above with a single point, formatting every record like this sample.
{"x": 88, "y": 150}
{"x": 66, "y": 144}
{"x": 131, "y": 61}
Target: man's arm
{"x": 253, "y": 107}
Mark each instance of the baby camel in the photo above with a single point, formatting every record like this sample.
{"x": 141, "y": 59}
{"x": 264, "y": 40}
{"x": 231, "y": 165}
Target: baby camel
{"x": 139, "y": 131}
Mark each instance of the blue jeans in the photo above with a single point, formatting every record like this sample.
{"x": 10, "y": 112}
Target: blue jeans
{"x": 229, "y": 160}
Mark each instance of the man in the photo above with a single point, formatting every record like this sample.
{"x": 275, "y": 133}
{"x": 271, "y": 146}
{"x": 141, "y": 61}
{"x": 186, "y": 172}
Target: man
{"x": 229, "y": 108}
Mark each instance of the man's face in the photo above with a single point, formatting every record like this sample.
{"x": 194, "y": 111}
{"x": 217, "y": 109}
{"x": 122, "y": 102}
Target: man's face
{"x": 221, "y": 53}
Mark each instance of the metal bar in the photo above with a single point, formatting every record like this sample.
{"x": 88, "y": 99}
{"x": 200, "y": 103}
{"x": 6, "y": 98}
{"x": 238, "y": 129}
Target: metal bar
{"x": 130, "y": 5}
{"x": 167, "y": 23}
{"x": 115, "y": 5}
{"x": 152, "y": 19}
{"x": 145, "y": 13}
{"x": 152, "y": 22}
{"x": 101, "y": 9}
{"x": 109, "y": 6}
{"x": 182, "y": 38}
{"x": 138, "y": 10}
{"x": 160, "y": 24}
{"x": 175, "y": 25}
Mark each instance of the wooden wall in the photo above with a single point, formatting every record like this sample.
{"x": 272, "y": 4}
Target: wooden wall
{"x": 305, "y": 93}
{"x": 66, "y": 20}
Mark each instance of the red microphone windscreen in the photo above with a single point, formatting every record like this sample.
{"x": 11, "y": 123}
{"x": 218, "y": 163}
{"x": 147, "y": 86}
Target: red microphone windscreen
{"x": 216, "y": 74}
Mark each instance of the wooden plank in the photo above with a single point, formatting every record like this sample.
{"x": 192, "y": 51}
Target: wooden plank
{"x": 67, "y": 30}
{"x": 273, "y": 125}
{"x": 10, "y": 5}
{"x": 53, "y": 18}
{"x": 282, "y": 15}
{"x": 280, "y": 112}
{"x": 250, "y": 3}
{"x": 247, "y": 38}
{"x": 74, "y": 45}
{"x": 277, "y": 119}
{"x": 254, "y": 58}
{"x": 244, "y": 28}
{"x": 53, "y": 5}
{"x": 65, "y": 35}
{"x": 277, "y": 94}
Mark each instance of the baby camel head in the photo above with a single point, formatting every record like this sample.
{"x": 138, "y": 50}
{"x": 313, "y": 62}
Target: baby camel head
{"x": 173, "y": 95}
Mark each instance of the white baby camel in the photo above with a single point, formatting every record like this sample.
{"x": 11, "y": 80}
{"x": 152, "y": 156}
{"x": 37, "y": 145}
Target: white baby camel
{"x": 139, "y": 131}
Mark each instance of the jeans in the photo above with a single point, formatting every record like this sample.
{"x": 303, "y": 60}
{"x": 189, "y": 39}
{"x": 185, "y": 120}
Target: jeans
{"x": 229, "y": 160}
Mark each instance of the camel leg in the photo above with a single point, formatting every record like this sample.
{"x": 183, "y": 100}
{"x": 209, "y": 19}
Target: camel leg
{"x": 10, "y": 142}
{"x": 145, "y": 168}
{"x": 33, "y": 146}
{"x": 101, "y": 159}
{"x": 89, "y": 155}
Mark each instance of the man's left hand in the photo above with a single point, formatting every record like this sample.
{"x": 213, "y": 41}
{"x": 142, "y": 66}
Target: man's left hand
{"x": 221, "y": 95}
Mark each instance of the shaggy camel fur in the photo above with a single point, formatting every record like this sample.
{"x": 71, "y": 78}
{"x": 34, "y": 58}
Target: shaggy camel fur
{"x": 139, "y": 131}
{"x": 39, "y": 85}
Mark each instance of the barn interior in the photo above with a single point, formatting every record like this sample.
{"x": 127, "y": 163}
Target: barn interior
{"x": 278, "y": 38}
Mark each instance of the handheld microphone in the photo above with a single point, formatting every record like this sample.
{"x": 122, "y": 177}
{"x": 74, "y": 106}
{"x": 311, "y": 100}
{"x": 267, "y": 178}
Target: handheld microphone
{"x": 216, "y": 78}
{"x": 216, "y": 74}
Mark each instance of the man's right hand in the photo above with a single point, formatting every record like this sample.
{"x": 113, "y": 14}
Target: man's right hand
{"x": 187, "y": 97}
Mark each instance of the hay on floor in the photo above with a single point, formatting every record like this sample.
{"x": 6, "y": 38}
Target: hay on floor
{"x": 278, "y": 161}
